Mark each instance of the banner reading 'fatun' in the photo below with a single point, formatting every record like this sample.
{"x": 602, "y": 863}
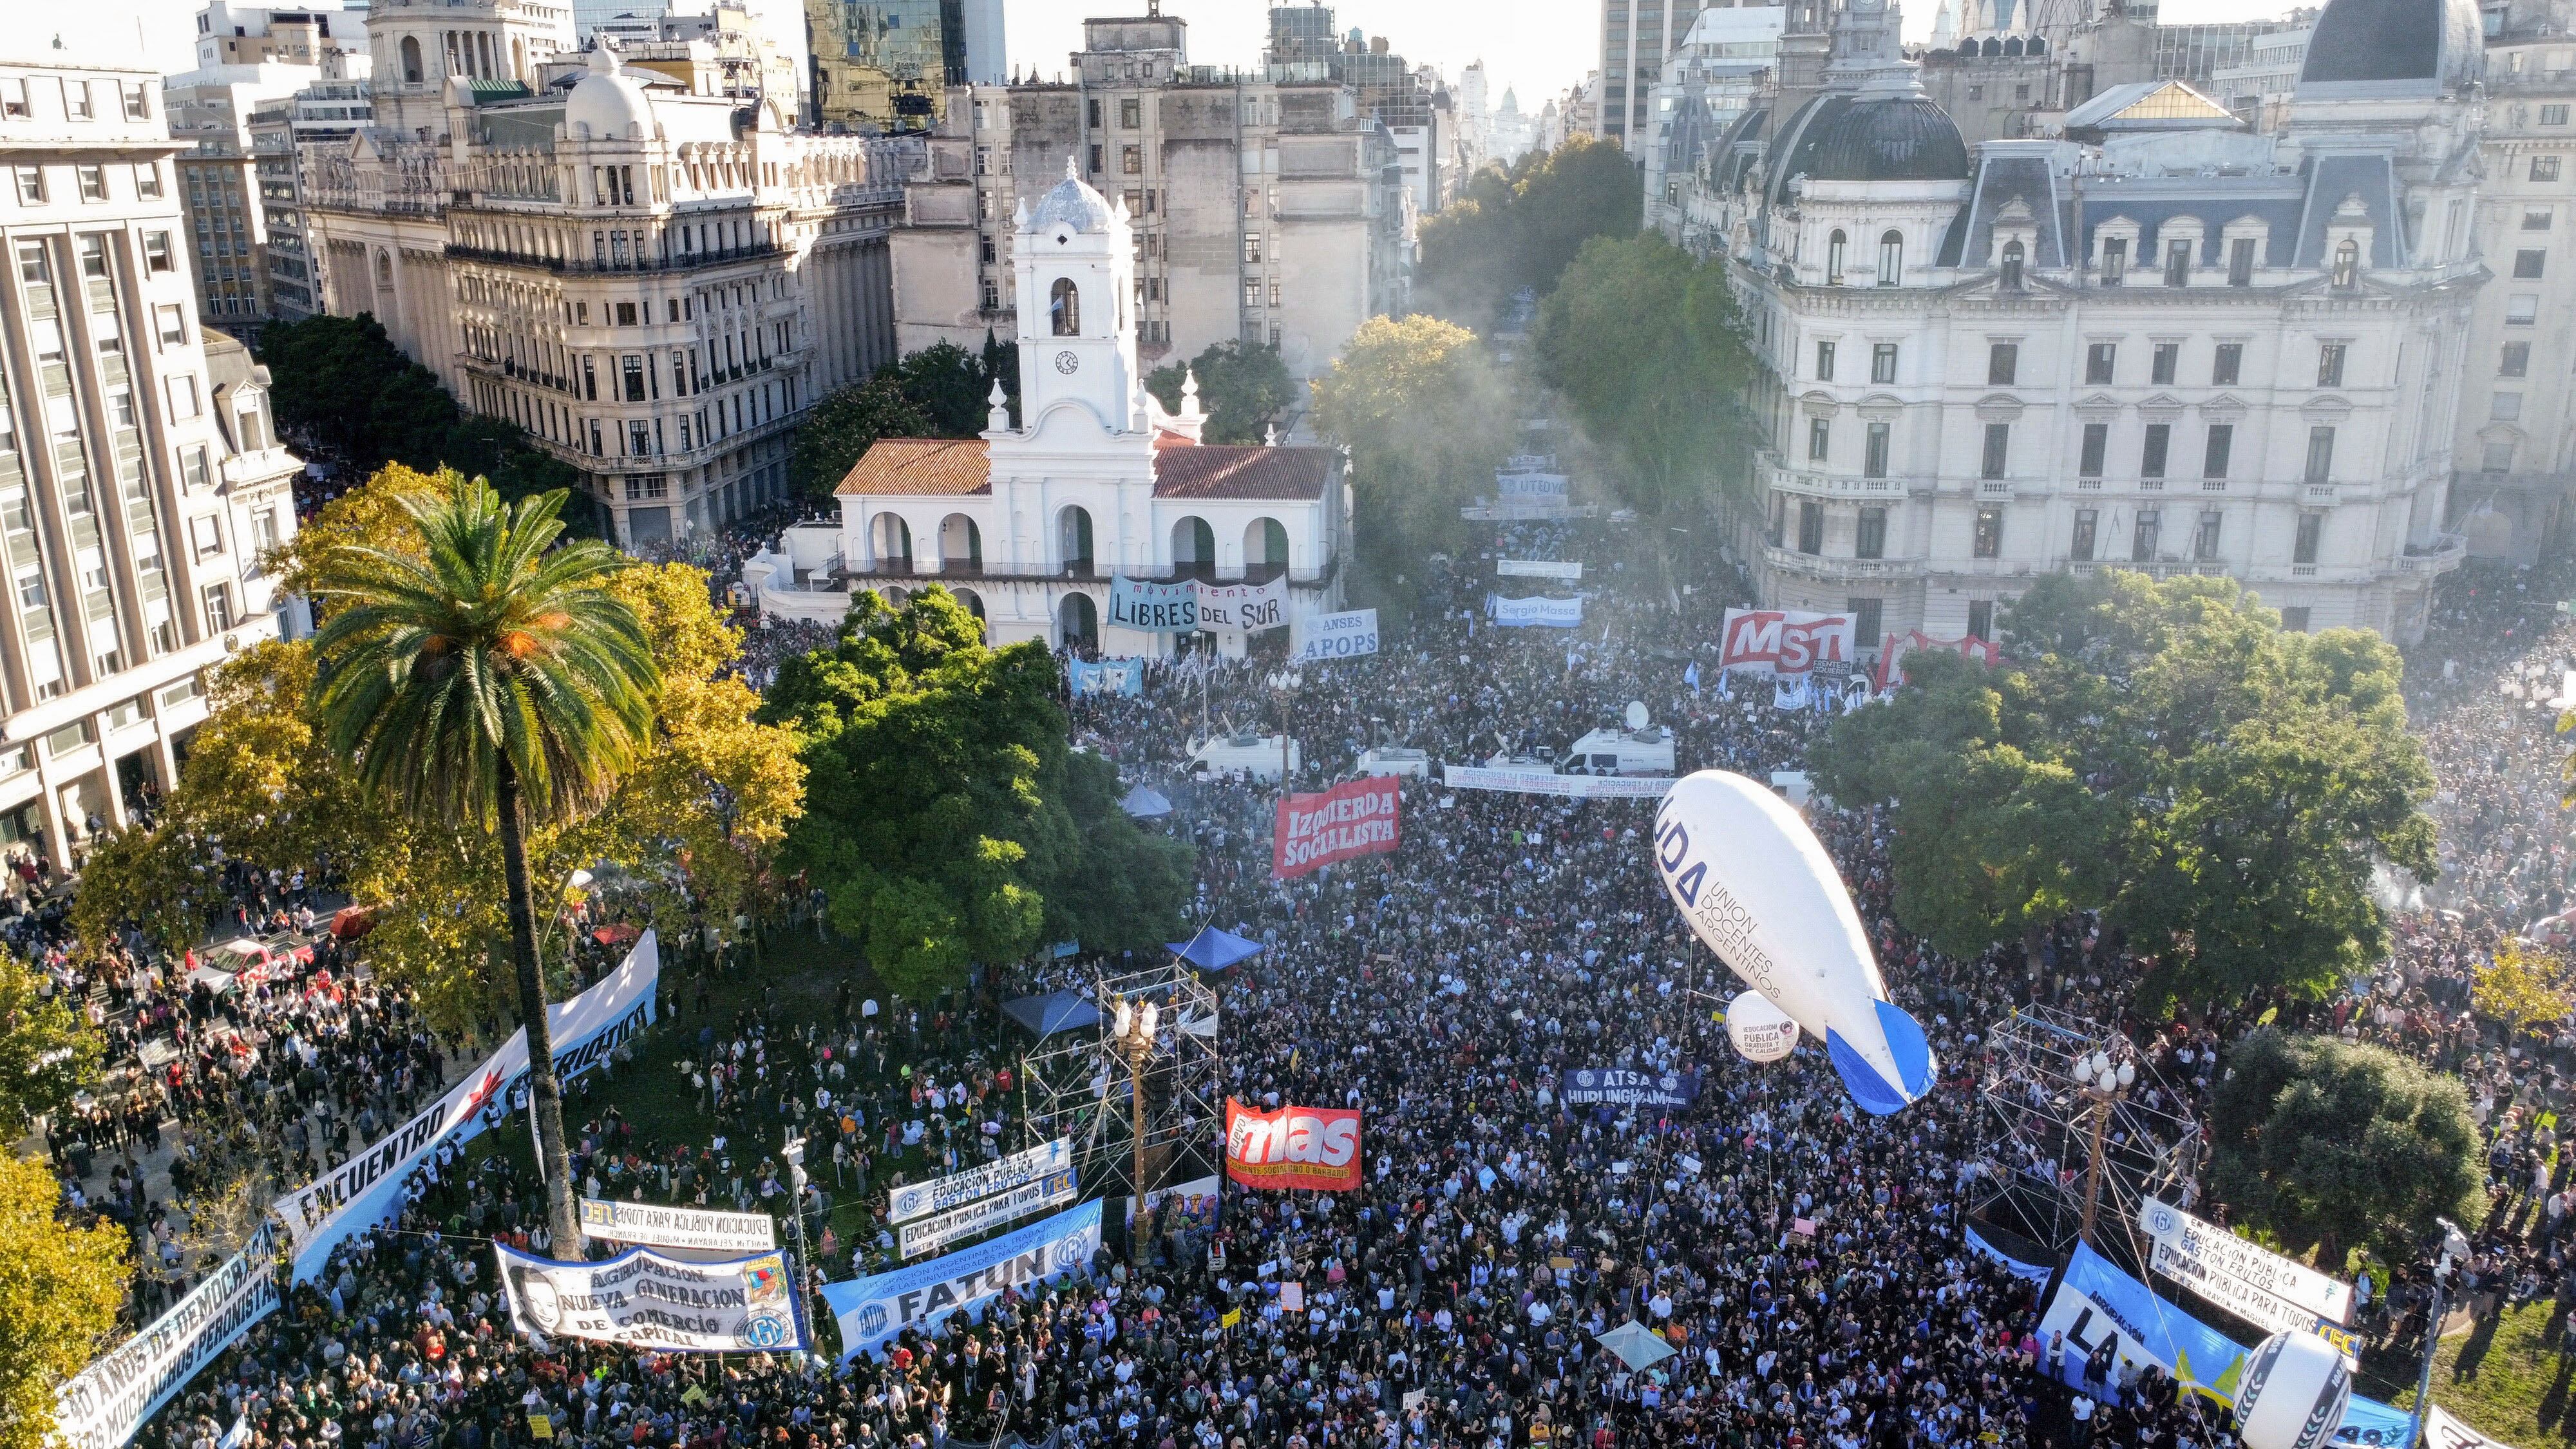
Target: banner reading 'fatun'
{"x": 1351, "y": 819}
{"x": 1314, "y": 1148}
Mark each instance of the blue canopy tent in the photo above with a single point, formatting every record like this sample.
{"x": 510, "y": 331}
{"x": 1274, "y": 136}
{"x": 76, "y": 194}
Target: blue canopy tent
{"x": 1044, "y": 1016}
{"x": 1214, "y": 950}
{"x": 1146, "y": 803}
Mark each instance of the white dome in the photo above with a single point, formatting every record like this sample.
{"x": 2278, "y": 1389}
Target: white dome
{"x": 612, "y": 106}
{"x": 1074, "y": 204}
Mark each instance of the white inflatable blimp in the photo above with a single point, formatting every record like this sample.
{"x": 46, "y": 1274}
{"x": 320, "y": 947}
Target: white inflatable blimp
{"x": 1760, "y": 1030}
{"x": 1756, "y": 885}
{"x": 2291, "y": 1393}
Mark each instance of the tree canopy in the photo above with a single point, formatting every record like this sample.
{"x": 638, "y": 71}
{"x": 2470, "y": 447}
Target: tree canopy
{"x": 47, "y": 1052}
{"x": 1427, "y": 420}
{"x": 941, "y": 391}
{"x": 1645, "y": 343}
{"x": 1518, "y": 229}
{"x": 2326, "y": 1142}
{"x": 948, "y": 822}
{"x": 60, "y": 1287}
{"x": 1243, "y": 387}
{"x": 2163, "y": 751}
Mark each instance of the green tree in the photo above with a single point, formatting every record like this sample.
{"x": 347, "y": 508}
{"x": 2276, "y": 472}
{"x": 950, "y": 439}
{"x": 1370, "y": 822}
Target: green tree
{"x": 60, "y": 1287}
{"x": 2221, "y": 789}
{"x": 1646, "y": 345}
{"x": 845, "y": 424}
{"x": 948, "y": 383}
{"x": 1520, "y": 229}
{"x": 1243, "y": 388}
{"x": 1427, "y": 421}
{"x": 483, "y": 683}
{"x": 2334, "y": 1144}
{"x": 47, "y": 1052}
{"x": 948, "y": 822}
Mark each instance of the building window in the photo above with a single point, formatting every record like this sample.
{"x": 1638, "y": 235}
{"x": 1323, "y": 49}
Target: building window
{"x": 219, "y": 608}
{"x": 2204, "y": 539}
{"x": 2098, "y": 359}
{"x": 2178, "y": 261}
{"x": 1131, "y": 114}
{"x": 1811, "y": 526}
{"x": 2303, "y": 544}
{"x": 1820, "y": 433}
{"x": 2528, "y": 263}
{"x": 2294, "y": 619}
{"x": 147, "y": 181}
{"x": 1131, "y": 160}
{"x": 1870, "y": 541}
{"x": 1091, "y": 112}
{"x": 1873, "y": 462}
{"x": 2553, "y": 115}
{"x": 13, "y": 99}
{"x": 2012, "y": 266}
{"x": 1981, "y": 618}
{"x": 2003, "y": 363}
{"x": 2320, "y": 454}
{"x": 156, "y": 252}
{"x": 2087, "y": 521}
{"x": 992, "y": 297}
{"x": 2505, "y": 407}
{"x": 2162, "y": 362}
{"x": 1990, "y": 531}
{"x": 1834, "y": 260}
{"x": 182, "y": 388}
{"x": 2536, "y": 219}
{"x": 2544, "y": 168}
{"x": 31, "y": 185}
{"x": 2347, "y": 265}
{"x": 1882, "y": 362}
{"x": 2240, "y": 262}
{"x": 1064, "y": 308}
{"x": 2115, "y": 260}
{"x": 2521, "y": 310}
{"x": 1868, "y": 621}
{"x": 1824, "y": 362}
{"x": 1891, "y": 258}
{"x": 205, "y": 537}
{"x": 1998, "y": 445}
{"x": 2516, "y": 361}
{"x": 2213, "y": 460}
{"x": 2229, "y": 361}
{"x": 2097, "y": 442}
{"x": 2330, "y": 364}
{"x": 2142, "y": 540}
{"x": 93, "y": 182}
{"x": 2498, "y": 456}
{"x": 76, "y": 102}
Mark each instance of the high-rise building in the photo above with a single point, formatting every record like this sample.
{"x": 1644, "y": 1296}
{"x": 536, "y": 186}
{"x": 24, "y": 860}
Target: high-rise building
{"x": 1265, "y": 204}
{"x": 140, "y": 474}
{"x": 1636, "y": 37}
{"x": 322, "y": 112}
{"x": 887, "y": 64}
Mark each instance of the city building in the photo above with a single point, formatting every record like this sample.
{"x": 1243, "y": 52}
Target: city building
{"x": 1711, "y": 78}
{"x": 1266, "y": 205}
{"x": 321, "y": 112}
{"x": 2162, "y": 343}
{"x": 1636, "y": 38}
{"x": 320, "y": 35}
{"x": 1475, "y": 116}
{"x": 1029, "y": 523}
{"x": 140, "y": 474}
{"x": 885, "y": 64}
{"x": 1513, "y": 134}
{"x": 766, "y": 38}
{"x": 723, "y": 51}
{"x": 2258, "y": 89}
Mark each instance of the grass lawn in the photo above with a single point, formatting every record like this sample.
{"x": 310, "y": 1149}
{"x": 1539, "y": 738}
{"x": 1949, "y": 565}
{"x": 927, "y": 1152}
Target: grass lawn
{"x": 2505, "y": 1378}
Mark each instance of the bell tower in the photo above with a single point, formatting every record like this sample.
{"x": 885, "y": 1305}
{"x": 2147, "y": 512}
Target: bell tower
{"x": 1075, "y": 259}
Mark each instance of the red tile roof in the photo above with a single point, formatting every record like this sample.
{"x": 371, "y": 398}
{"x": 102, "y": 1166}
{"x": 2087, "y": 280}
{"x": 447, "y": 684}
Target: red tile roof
{"x": 1243, "y": 472}
{"x": 953, "y": 466}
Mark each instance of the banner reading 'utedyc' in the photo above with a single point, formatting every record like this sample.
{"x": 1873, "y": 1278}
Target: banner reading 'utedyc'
{"x": 1315, "y": 1148}
{"x": 1358, "y": 817}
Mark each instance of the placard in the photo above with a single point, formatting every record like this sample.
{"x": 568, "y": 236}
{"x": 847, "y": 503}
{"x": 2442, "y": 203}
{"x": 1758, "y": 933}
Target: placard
{"x": 1352, "y": 819}
{"x": 1778, "y": 642}
{"x": 1544, "y": 782}
{"x": 2232, "y": 1272}
{"x": 1243, "y": 608}
{"x": 101, "y": 1406}
{"x": 1153, "y": 608}
{"x": 1531, "y": 568}
{"x": 695, "y": 1229}
{"x": 1534, "y": 612}
{"x": 908, "y": 1200}
{"x": 1314, "y": 1148}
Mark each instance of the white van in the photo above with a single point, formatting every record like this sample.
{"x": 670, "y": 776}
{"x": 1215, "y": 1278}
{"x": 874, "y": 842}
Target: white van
{"x": 1242, "y": 754}
{"x": 1646, "y": 751}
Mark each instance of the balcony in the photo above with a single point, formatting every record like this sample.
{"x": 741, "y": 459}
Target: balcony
{"x": 2430, "y": 561}
{"x": 1848, "y": 570}
{"x": 1082, "y": 570}
{"x": 638, "y": 266}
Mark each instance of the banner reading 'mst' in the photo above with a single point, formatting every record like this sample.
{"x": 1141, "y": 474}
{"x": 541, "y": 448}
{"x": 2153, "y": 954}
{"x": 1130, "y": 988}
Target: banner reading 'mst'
{"x": 1315, "y": 1148}
{"x": 1784, "y": 642}
{"x": 1351, "y": 819}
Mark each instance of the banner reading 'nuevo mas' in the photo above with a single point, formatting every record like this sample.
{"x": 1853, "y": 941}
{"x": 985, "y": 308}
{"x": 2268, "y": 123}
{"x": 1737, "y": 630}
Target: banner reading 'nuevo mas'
{"x": 1351, "y": 819}
{"x": 1315, "y": 1148}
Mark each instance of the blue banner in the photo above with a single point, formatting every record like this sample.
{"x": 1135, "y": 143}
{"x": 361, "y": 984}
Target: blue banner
{"x": 871, "y": 1311}
{"x": 2030, "y": 1272}
{"x": 1109, "y": 676}
{"x": 1153, "y": 608}
{"x": 1619, "y": 1087}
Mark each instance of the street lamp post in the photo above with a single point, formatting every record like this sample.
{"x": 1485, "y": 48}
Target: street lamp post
{"x": 2455, "y": 1246}
{"x": 1284, "y": 684}
{"x": 1132, "y": 1031}
{"x": 2105, "y": 1085}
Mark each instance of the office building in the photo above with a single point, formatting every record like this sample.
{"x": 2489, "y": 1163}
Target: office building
{"x": 887, "y": 64}
{"x": 1636, "y": 37}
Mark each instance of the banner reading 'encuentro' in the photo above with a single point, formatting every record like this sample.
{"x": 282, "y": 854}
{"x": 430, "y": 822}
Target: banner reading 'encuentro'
{"x": 1353, "y": 819}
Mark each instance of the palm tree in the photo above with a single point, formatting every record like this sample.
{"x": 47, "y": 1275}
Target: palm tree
{"x": 477, "y": 679}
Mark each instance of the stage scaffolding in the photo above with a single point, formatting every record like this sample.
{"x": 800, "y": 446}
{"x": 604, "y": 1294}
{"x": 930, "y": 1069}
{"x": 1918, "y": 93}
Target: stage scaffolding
{"x": 1076, "y": 1084}
{"x": 2042, "y": 1123}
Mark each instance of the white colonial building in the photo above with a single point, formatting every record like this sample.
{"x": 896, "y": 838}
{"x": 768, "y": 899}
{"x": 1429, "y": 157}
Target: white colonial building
{"x": 2159, "y": 342}
{"x": 1029, "y": 523}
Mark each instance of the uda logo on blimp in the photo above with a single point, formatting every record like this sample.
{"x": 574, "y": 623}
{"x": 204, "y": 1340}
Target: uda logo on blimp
{"x": 872, "y": 1319}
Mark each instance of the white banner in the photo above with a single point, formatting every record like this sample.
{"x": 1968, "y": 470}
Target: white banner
{"x": 641, "y": 1299}
{"x": 694, "y": 1229}
{"x": 2441, "y": 1431}
{"x": 1531, "y": 568}
{"x": 1544, "y": 612}
{"x": 1243, "y": 608}
{"x": 1323, "y": 638}
{"x": 1571, "y": 787}
{"x": 908, "y": 1200}
{"x": 2238, "y": 1275}
{"x": 873, "y": 1310}
{"x": 1532, "y": 487}
{"x": 101, "y": 1406}
{"x": 367, "y": 1189}
{"x": 930, "y": 1234}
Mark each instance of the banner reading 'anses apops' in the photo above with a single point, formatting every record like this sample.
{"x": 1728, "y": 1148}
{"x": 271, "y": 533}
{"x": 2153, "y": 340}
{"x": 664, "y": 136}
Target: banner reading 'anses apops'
{"x": 643, "y": 1300}
{"x": 1356, "y": 818}
{"x": 1784, "y": 641}
{"x": 1313, "y": 1148}
{"x": 1323, "y": 638}
{"x": 101, "y": 1406}
{"x": 872, "y": 1310}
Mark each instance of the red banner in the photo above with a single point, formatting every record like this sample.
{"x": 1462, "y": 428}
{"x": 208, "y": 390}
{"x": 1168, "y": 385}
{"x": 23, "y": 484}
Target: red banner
{"x": 1775, "y": 642}
{"x": 1358, "y": 818}
{"x": 1314, "y": 1148}
{"x": 1891, "y": 668}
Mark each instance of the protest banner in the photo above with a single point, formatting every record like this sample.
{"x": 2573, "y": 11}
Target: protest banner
{"x": 930, "y": 1234}
{"x": 872, "y": 1310}
{"x": 908, "y": 1200}
{"x": 1323, "y": 638}
{"x": 1314, "y": 1148}
{"x": 653, "y": 1225}
{"x": 1620, "y": 1087}
{"x": 101, "y": 1406}
{"x": 1536, "y": 611}
{"x": 2253, "y": 1282}
{"x": 1355, "y": 818}
{"x": 641, "y": 1299}
{"x": 1531, "y": 568}
{"x": 1192, "y": 1203}
{"x": 1109, "y": 676}
{"x": 1775, "y": 642}
{"x": 1529, "y": 487}
{"x": 1891, "y": 655}
{"x": 1243, "y": 608}
{"x": 1546, "y": 782}
{"x": 368, "y": 1188}
{"x": 1153, "y": 608}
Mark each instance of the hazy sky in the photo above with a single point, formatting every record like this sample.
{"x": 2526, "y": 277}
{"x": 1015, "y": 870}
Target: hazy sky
{"x": 1537, "y": 46}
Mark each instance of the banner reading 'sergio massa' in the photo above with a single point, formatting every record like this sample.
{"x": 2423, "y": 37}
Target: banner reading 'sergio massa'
{"x": 1315, "y": 1148}
{"x": 641, "y": 1299}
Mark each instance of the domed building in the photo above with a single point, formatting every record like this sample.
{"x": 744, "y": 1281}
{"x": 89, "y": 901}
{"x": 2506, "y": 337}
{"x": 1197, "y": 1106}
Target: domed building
{"x": 2152, "y": 340}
